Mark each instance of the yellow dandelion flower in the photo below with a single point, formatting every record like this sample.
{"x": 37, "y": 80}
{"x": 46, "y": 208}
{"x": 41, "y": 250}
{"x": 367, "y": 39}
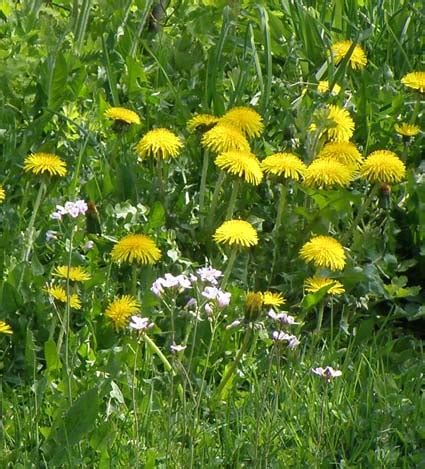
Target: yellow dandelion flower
{"x": 324, "y": 251}
{"x": 345, "y": 153}
{"x": 75, "y": 274}
{"x": 273, "y": 299}
{"x": 314, "y": 284}
{"x": 357, "y": 59}
{"x": 241, "y": 163}
{"x": 5, "y": 328}
{"x": 287, "y": 165}
{"x": 202, "y": 122}
{"x": 120, "y": 310}
{"x": 415, "y": 80}
{"x": 40, "y": 163}
{"x": 122, "y": 114}
{"x": 224, "y": 137}
{"x": 245, "y": 119}
{"x": 323, "y": 87}
{"x": 237, "y": 233}
{"x": 59, "y": 294}
{"x": 342, "y": 127}
{"x": 327, "y": 173}
{"x": 383, "y": 166}
{"x": 136, "y": 248}
{"x": 407, "y": 130}
{"x": 160, "y": 144}
{"x": 2, "y": 193}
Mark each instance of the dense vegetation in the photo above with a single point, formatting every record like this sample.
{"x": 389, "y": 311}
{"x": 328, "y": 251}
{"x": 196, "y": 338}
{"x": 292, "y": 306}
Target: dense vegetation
{"x": 212, "y": 238}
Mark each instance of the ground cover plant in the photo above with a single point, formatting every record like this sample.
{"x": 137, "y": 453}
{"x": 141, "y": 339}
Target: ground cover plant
{"x": 212, "y": 238}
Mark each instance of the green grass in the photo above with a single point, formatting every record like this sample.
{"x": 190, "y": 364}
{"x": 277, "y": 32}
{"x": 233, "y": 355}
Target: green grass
{"x": 75, "y": 392}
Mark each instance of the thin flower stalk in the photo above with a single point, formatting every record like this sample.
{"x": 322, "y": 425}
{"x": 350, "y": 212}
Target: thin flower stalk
{"x": 204, "y": 172}
{"x": 320, "y": 317}
{"x": 359, "y": 217}
{"x": 279, "y": 214}
{"x": 225, "y": 379}
{"x": 30, "y": 232}
{"x": 134, "y": 272}
{"x": 233, "y": 197}
{"x": 229, "y": 267}
{"x": 216, "y": 196}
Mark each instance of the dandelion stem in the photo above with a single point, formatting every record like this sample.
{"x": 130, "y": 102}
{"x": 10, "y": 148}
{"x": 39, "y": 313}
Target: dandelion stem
{"x": 30, "y": 240}
{"x": 205, "y": 163}
{"x": 320, "y": 317}
{"x": 167, "y": 365}
{"x": 416, "y": 110}
{"x": 368, "y": 200}
{"x": 154, "y": 348}
{"x": 229, "y": 267}
{"x": 232, "y": 368}
{"x": 160, "y": 177}
{"x": 216, "y": 196}
{"x": 233, "y": 197}
{"x": 280, "y": 209}
{"x": 134, "y": 280}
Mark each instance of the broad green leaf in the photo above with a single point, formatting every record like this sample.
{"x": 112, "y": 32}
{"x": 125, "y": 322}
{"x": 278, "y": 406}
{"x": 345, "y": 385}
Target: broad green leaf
{"x": 51, "y": 355}
{"x": 77, "y": 423}
{"x": 156, "y": 217}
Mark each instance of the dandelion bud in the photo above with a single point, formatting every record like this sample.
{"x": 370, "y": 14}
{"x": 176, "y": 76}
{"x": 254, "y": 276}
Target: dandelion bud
{"x": 253, "y": 304}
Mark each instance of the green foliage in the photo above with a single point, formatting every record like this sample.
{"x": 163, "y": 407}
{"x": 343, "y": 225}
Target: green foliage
{"x": 77, "y": 392}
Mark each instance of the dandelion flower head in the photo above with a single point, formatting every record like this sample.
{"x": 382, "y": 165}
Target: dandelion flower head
{"x": 345, "y": 153}
{"x": 273, "y": 299}
{"x": 357, "y": 59}
{"x": 342, "y": 124}
{"x": 121, "y": 309}
{"x": 160, "y": 144}
{"x": 314, "y": 284}
{"x": 245, "y": 119}
{"x": 383, "y": 166}
{"x": 59, "y": 294}
{"x": 225, "y": 137}
{"x": 136, "y": 248}
{"x": 5, "y": 328}
{"x": 327, "y": 173}
{"x": 202, "y": 122}
{"x": 241, "y": 163}
{"x": 236, "y": 233}
{"x": 122, "y": 114}
{"x": 45, "y": 163}
{"x": 407, "y": 130}
{"x": 287, "y": 165}
{"x": 415, "y": 80}
{"x": 254, "y": 300}
{"x": 323, "y": 87}
{"x": 324, "y": 251}
{"x": 75, "y": 274}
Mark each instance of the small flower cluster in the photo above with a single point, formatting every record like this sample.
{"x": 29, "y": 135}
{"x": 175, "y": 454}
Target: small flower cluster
{"x": 327, "y": 373}
{"x": 279, "y": 336}
{"x": 179, "y": 282}
{"x": 73, "y": 209}
{"x": 208, "y": 274}
{"x": 216, "y": 297}
{"x": 140, "y": 324}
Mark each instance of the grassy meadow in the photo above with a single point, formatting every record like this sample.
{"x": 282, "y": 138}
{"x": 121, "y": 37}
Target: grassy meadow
{"x": 212, "y": 239}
